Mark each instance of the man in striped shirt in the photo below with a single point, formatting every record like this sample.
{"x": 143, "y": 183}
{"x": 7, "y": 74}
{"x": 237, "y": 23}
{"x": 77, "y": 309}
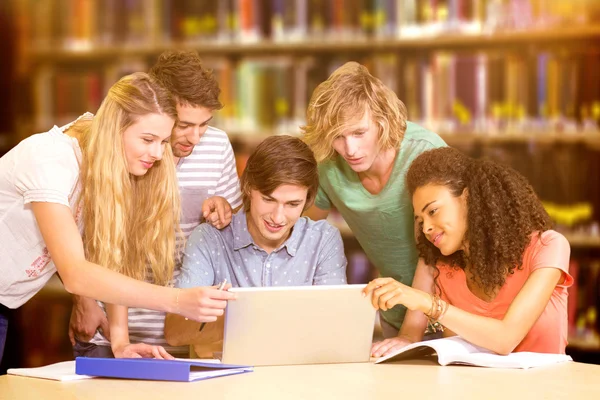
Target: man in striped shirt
{"x": 209, "y": 188}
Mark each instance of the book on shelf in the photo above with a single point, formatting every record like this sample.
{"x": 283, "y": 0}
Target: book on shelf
{"x": 446, "y": 92}
{"x": 83, "y": 24}
{"x": 587, "y": 323}
{"x": 455, "y": 350}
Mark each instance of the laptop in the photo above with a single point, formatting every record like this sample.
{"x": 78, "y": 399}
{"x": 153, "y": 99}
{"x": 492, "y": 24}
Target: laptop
{"x": 298, "y": 325}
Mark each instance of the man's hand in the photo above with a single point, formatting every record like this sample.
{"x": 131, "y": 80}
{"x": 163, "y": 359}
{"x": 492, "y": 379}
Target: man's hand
{"x": 86, "y": 318}
{"x": 141, "y": 350}
{"x": 388, "y": 346}
{"x": 217, "y": 211}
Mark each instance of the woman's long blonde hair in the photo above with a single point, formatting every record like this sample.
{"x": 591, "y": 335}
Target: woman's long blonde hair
{"x": 344, "y": 98}
{"x": 130, "y": 222}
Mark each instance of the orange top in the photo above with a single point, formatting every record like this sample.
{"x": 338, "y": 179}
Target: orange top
{"x": 549, "y": 333}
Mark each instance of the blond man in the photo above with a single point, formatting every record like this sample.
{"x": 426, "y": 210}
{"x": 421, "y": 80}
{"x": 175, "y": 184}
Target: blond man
{"x": 358, "y": 129}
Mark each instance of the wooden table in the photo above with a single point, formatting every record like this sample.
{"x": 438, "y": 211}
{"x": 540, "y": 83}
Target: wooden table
{"x": 403, "y": 380}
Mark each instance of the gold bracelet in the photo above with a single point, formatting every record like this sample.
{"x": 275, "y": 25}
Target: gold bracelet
{"x": 428, "y": 313}
{"x": 438, "y": 308}
{"x": 436, "y": 312}
{"x": 446, "y": 307}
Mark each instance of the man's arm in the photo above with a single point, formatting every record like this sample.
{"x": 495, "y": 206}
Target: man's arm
{"x": 315, "y": 213}
{"x": 321, "y": 206}
{"x": 86, "y": 318}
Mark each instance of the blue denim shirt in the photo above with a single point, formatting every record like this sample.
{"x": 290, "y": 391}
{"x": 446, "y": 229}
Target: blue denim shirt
{"x": 312, "y": 255}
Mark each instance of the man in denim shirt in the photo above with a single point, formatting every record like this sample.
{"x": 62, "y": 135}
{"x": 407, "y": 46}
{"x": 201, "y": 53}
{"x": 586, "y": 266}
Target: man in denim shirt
{"x": 267, "y": 243}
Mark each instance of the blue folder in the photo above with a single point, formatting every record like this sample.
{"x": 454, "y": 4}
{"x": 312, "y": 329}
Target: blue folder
{"x": 153, "y": 369}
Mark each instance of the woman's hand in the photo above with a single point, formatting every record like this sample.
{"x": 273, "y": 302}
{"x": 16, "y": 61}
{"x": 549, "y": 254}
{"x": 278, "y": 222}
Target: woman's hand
{"x": 203, "y": 304}
{"x": 387, "y": 292}
{"x": 141, "y": 350}
{"x": 388, "y": 346}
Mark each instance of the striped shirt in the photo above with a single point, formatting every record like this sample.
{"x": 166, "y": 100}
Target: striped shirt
{"x": 208, "y": 171}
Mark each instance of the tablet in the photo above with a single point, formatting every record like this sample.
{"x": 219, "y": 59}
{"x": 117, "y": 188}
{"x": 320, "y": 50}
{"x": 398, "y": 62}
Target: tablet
{"x": 298, "y": 325}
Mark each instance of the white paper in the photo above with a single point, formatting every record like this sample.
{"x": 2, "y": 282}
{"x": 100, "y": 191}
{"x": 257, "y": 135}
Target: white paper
{"x": 201, "y": 360}
{"x": 62, "y": 371}
{"x": 197, "y": 375}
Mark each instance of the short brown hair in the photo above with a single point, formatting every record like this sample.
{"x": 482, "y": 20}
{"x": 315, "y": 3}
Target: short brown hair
{"x": 183, "y": 74}
{"x": 280, "y": 160}
{"x": 344, "y": 97}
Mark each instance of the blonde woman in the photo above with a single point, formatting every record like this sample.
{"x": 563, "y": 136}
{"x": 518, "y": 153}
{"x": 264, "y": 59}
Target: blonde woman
{"x": 358, "y": 130}
{"x": 109, "y": 179}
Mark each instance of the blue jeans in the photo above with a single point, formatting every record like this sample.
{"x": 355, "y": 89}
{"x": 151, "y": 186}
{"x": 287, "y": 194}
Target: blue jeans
{"x": 3, "y": 328}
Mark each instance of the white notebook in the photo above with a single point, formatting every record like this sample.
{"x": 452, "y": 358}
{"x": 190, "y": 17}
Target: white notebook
{"x": 62, "y": 371}
{"x": 455, "y": 350}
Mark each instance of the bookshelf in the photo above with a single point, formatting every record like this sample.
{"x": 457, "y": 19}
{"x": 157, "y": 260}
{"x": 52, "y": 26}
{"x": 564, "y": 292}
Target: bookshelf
{"x": 579, "y": 36}
{"x": 591, "y": 140}
{"x": 485, "y": 93}
{"x": 516, "y": 80}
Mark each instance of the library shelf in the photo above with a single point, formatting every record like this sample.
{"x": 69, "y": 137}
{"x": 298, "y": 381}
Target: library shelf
{"x": 591, "y": 139}
{"x": 448, "y": 42}
{"x": 592, "y": 344}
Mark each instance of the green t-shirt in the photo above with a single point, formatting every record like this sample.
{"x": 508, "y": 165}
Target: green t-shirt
{"x": 383, "y": 223}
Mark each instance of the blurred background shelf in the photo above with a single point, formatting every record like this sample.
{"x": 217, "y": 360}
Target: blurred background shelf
{"x": 583, "y": 241}
{"x": 588, "y": 139}
{"x": 481, "y": 42}
{"x": 575, "y": 240}
{"x": 592, "y": 344}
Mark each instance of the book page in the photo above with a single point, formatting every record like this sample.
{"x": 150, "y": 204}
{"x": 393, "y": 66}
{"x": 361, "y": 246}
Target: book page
{"x": 198, "y": 375}
{"x": 447, "y": 349}
{"x": 455, "y": 350}
{"x": 62, "y": 371}
{"x": 200, "y": 360}
{"x": 523, "y": 360}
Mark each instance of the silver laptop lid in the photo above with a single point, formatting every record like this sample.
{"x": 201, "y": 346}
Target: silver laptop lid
{"x": 298, "y": 325}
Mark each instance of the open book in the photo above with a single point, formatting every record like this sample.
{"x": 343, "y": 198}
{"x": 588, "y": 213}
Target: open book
{"x": 455, "y": 350}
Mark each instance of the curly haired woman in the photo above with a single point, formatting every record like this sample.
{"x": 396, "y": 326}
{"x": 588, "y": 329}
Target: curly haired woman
{"x": 491, "y": 271}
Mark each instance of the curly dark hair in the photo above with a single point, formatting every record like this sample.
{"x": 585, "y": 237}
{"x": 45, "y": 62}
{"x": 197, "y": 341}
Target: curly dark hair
{"x": 503, "y": 212}
{"x": 183, "y": 74}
